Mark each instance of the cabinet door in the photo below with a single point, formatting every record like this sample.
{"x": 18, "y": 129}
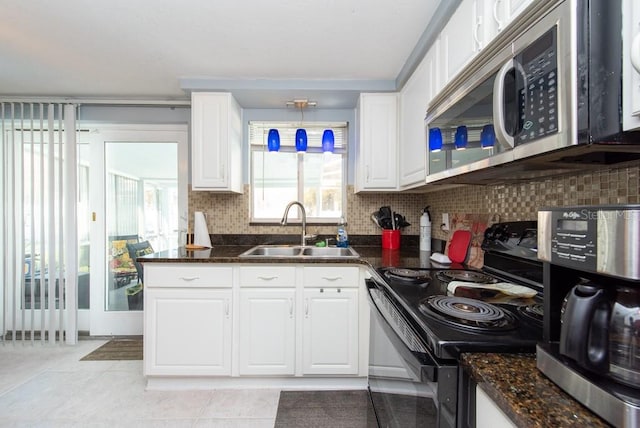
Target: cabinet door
{"x": 216, "y": 142}
{"x": 488, "y": 414}
{"x": 458, "y": 39}
{"x": 376, "y": 160}
{"x": 487, "y": 21}
{"x": 412, "y": 146}
{"x": 267, "y": 331}
{"x": 631, "y": 64}
{"x": 187, "y": 332}
{"x": 505, "y": 11}
{"x": 330, "y": 332}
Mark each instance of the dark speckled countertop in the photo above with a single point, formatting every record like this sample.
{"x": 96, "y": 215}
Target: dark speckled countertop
{"x": 373, "y": 256}
{"x": 525, "y": 394}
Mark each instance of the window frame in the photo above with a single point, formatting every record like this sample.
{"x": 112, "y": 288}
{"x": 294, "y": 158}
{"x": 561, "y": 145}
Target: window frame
{"x": 339, "y": 149}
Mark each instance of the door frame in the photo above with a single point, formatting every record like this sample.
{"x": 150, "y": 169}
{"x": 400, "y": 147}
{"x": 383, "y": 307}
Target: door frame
{"x": 97, "y": 320}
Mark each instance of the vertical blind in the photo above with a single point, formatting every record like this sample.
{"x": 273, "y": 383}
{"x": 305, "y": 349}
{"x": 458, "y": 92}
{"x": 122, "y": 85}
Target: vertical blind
{"x": 38, "y": 194}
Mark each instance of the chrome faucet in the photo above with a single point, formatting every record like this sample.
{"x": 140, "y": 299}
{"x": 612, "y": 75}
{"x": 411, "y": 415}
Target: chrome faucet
{"x": 304, "y": 237}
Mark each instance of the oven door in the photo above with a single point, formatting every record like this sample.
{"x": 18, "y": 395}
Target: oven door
{"x": 409, "y": 388}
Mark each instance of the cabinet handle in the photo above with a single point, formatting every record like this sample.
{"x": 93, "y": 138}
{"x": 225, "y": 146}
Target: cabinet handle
{"x": 189, "y": 278}
{"x": 267, "y": 278}
{"x": 306, "y": 308}
{"x": 290, "y": 308}
{"x": 475, "y": 32}
{"x": 367, "y": 179}
{"x": 332, "y": 278}
{"x": 496, "y": 14}
{"x": 339, "y": 290}
{"x": 635, "y": 53}
{"x": 226, "y": 307}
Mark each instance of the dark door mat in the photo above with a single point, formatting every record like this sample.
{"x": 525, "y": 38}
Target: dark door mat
{"x": 335, "y": 409}
{"x": 117, "y": 349}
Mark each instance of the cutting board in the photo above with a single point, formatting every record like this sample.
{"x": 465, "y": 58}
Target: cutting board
{"x": 459, "y": 246}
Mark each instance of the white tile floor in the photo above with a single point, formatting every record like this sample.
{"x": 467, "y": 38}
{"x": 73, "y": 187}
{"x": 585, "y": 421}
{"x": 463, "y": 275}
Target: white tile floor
{"x": 47, "y": 386}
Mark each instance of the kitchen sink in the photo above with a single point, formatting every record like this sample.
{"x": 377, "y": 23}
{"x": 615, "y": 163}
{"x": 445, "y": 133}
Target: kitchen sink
{"x": 329, "y": 252}
{"x": 299, "y": 251}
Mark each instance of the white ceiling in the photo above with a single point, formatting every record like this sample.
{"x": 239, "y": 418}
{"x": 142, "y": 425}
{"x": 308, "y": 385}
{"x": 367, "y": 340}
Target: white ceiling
{"x": 264, "y": 51}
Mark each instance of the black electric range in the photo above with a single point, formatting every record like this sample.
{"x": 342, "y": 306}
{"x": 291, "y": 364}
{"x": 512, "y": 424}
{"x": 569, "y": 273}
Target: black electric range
{"x": 419, "y": 328}
{"x": 475, "y": 319}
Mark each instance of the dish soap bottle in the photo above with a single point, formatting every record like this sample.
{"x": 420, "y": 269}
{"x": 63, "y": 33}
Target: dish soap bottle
{"x": 425, "y": 230}
{"x": 342, "y": 239}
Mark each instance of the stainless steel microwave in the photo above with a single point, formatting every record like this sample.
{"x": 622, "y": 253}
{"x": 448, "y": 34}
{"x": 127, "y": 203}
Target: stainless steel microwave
{"x": 544, "y": 98}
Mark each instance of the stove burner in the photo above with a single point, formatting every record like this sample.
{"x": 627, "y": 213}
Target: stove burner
{"x": 533, "y": 312}
{"x": 465, "y": 275}
{"x": 467, "y": 309}
{"x": 414, "y": 275}
{"x": 468, "y": 313}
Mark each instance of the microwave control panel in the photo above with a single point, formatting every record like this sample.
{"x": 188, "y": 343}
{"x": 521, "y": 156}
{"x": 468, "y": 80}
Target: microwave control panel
{"x": 538, "y": 96}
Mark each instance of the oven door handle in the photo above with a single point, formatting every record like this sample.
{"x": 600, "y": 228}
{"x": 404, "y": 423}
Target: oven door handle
{"x": 422, "y": 364}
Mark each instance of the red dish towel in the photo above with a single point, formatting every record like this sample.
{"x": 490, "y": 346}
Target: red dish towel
{"x": 459, "y": 246}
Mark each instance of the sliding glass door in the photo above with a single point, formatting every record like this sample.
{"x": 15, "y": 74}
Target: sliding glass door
{"x": 137, "y": 182}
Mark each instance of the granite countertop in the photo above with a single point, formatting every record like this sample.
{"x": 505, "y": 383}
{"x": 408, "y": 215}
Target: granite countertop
{"x": 525, "y": 394}
{"x": 373, "y": 256}
{"x": 227, "y": 249}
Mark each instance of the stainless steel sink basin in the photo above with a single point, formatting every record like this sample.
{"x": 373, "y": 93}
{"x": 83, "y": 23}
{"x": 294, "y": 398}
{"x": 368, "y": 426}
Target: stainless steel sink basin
{"x": 298, "y": 251}
{"x": 275, "y": 251}
{"x": 329, "y": 252}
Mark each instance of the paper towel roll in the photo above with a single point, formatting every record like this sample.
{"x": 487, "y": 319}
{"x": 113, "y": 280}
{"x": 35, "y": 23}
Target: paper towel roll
{"x": 200, "y": 231}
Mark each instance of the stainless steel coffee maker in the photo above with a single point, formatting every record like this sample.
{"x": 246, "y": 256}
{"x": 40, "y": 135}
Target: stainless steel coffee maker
{"x": 591, "y": 345}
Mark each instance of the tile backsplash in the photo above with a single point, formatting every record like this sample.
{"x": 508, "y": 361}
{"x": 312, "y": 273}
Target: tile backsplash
{"x": 229, "y": 213}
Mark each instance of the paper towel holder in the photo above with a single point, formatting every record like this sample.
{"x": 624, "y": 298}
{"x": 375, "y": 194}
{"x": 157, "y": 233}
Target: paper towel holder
{"x": 190, "y": 246}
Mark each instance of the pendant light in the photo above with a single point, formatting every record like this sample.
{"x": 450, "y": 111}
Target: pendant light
{"x": 435, "y": 140}
{"x": 487, "y": 137}
{"x": 328, "y": 141}
{"x": 460, "y": 139}
{"x": 328, "y": 138}
{"x": 273, "y": 140}
{"x": 301, "y": 140}
{"x": 301, "y": 134}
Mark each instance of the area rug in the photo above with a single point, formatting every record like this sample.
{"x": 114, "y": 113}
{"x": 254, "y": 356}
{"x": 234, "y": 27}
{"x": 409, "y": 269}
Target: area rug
{"x": 117, "y": 349}
{"x": 316, "y": 409}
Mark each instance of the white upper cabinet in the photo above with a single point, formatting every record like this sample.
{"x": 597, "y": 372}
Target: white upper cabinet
{"x": 414, "y": 97}
{"x": 377, "y": 142}
{"x": 505, "y": 11}
{"x": 458, "y": 39}
{"x": 216, "y": 142}
{"x": 472, "y": 27}
{"x": 631, "y": 64}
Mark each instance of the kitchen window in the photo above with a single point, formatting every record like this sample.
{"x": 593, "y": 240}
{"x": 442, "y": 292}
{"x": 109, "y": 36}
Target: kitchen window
{"x": 314, "y": 178}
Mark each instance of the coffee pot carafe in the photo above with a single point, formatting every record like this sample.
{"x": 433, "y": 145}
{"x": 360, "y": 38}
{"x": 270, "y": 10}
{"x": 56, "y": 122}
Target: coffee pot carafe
{"x": 601, "y": 331}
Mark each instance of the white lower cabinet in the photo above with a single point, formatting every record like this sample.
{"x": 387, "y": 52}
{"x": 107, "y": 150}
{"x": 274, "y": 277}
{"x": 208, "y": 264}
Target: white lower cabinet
{"x": 187, "y": 331}
{"x": 242, "y": 321}
{"x": 488, "y": 414}
{"x": 267, "y": 331}
{"x": 330, "y": 332}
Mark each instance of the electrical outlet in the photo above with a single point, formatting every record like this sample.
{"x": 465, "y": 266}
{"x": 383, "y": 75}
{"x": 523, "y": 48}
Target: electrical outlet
{"x": 445, "y": 221}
